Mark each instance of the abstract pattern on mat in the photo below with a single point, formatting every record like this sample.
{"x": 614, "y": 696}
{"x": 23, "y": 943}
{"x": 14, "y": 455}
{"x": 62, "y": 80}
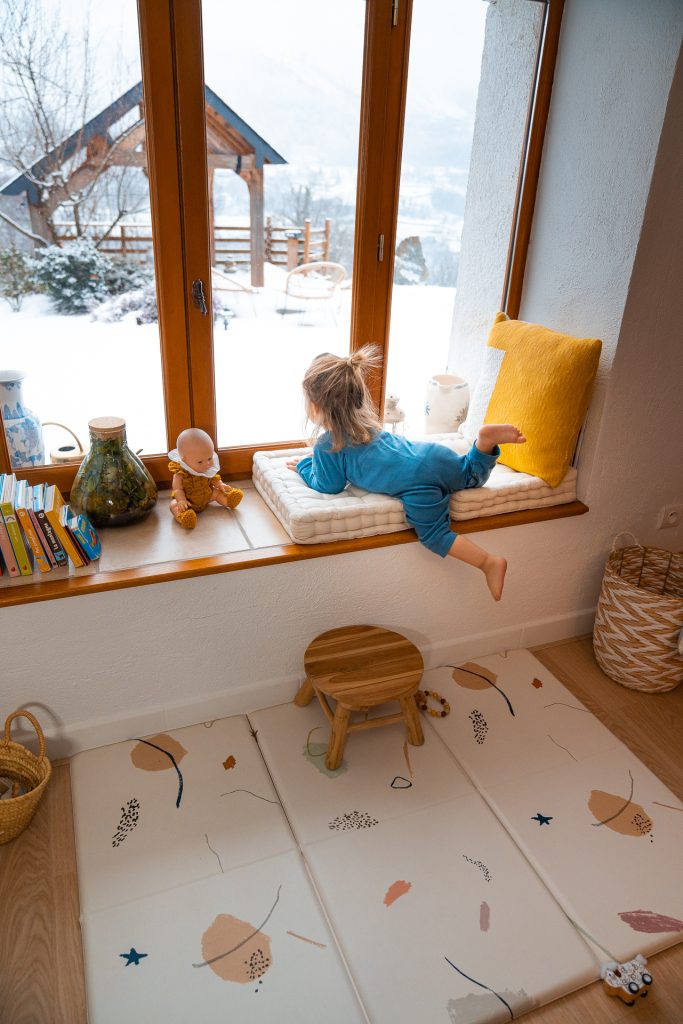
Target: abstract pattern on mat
{"x": 466, "y": 881}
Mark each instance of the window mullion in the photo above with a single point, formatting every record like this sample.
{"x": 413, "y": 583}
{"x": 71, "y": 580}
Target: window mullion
{"x": 530, "y": 162}
{"x": 192, "y": 157}
{"x": 385, "y": 77}
{"x": 156, "y": 34}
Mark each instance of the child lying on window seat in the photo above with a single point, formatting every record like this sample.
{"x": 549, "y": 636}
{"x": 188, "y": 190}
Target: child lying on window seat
{"x": 355, "y": 449}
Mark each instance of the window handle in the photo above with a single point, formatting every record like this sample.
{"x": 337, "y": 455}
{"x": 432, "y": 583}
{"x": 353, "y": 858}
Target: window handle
{"x": 198, "y": 296}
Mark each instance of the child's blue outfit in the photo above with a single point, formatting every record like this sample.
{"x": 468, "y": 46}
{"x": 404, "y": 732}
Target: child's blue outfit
{"x": 423, "y": 475}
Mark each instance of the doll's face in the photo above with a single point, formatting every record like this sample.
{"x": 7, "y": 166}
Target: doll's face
{"x": 197, "y": 452}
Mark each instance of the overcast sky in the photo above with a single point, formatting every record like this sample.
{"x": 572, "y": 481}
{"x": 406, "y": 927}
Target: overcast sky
{"x": 250, "y": 48}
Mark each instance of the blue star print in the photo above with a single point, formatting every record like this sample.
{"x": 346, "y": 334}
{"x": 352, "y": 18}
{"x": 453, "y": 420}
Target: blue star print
{"x": 133, "y": 957}
{"x": 542, "y": 819}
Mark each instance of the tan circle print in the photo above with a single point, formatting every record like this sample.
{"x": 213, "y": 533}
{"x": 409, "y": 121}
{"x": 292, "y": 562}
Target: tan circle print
{"x": 474, "y": 676}
{"x": 629, "y": 820}
{"x": 149, "y": 759}
{"x": 231, "y": 957}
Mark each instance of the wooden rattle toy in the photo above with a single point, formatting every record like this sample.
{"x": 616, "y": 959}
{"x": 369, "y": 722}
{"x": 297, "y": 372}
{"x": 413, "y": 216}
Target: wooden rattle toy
{"x": 629, "y": 981}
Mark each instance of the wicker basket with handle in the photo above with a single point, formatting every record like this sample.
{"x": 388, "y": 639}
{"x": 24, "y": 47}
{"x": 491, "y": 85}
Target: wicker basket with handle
{"x": 25, "y": 771}
{"x": 638, "y": 632}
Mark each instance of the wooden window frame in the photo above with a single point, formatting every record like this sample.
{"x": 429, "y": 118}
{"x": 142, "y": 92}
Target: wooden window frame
{"x": 173, "y": 87}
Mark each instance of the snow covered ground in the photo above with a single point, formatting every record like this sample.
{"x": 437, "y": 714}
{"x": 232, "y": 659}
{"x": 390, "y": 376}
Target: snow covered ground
{"x": 77, "y": 368}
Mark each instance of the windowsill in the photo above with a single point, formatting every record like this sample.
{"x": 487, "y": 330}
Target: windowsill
{"x": 157, "y": 550}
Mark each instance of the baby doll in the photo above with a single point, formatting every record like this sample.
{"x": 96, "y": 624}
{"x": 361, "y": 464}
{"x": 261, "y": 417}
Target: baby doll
{"x": 196, "y": 478}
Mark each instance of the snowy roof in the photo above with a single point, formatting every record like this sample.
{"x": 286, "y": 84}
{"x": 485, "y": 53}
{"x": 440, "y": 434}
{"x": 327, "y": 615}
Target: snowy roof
{"x": 99, "y": 125}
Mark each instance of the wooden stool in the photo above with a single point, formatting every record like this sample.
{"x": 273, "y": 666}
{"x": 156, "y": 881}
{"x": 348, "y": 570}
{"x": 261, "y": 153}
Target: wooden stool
{"x": 360, "y": 667}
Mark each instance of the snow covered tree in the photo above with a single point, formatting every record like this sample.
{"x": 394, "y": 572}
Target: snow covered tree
{"x": 16, "y": 276}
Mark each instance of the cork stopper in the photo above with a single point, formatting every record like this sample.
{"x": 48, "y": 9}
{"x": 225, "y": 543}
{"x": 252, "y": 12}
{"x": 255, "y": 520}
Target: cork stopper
{"x": 107, "y": 427}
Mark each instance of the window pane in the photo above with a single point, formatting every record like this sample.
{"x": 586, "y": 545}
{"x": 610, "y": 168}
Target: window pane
{"x": 282, "y": 127}
{"x": 469, "y": 89}
{"x": 78, "y": 317}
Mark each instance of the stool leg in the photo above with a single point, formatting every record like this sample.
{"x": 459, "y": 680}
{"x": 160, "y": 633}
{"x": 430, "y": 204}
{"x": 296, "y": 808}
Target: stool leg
{"x": 335, "y": 749}
{"x": 305, "y": 694}
{"x": 413, "y": 723}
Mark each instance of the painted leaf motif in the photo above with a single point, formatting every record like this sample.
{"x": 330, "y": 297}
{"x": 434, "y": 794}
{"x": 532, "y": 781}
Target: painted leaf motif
{"x": 395, "y": 891}
{"x": 609, "y": 810}
{"x": 473, "y": 676}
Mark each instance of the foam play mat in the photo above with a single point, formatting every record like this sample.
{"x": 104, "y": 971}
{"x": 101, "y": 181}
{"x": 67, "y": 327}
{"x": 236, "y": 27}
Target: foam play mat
{"x": 226, "y": 874}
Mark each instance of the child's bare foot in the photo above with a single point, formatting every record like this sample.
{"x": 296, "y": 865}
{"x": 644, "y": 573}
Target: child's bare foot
{"x": 498, "y": 433}
{"x": 494, "y": 568}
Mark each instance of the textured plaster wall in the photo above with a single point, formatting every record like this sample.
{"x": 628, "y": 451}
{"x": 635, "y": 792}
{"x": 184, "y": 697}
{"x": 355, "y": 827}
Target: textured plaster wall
{"x": 513, "y": 28}
{"x": 93, "y": 664}
{"x": 614, "y": 70}
{"x": 640, "y": 439}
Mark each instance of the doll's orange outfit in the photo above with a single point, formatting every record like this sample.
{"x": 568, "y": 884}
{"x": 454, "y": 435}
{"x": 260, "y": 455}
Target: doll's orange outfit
{"x": 198, "y": 489}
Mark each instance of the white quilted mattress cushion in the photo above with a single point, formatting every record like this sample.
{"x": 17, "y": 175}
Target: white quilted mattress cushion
{"x": 313, "y": 518}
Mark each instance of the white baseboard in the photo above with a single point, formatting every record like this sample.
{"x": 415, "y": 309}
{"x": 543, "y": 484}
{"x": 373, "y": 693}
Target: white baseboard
{"x": 65, "y": 741}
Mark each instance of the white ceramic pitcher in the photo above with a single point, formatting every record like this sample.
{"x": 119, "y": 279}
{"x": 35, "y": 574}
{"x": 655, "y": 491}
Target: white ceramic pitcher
{"x": 446, "y": 403}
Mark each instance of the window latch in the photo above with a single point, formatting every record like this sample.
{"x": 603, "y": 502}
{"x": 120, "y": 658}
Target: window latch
{"x": 380, "y": 249}
{"x": 198, "y": 296}
{"x": 394, "y": 13}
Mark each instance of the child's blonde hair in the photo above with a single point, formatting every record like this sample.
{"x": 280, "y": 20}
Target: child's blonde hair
{"x": 337, "y": 385}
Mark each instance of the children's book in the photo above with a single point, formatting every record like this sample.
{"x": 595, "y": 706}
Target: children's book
{"x": 47, "y": 550}
{"x": 22, "y": 503}
{"x": 5, "y": 544}
{"x": 64, "y": 520}
{"x": 54, "y": 502}
{"x": 55, "y": 547}
{"x": 86, "y": 535}
{"x": 10, "y": 517}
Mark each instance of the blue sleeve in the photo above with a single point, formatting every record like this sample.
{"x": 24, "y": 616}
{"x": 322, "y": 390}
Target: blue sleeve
{"x": 323, "y": 471}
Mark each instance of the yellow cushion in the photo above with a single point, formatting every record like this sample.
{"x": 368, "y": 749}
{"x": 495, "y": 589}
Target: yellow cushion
{"x": 544, "y": 388}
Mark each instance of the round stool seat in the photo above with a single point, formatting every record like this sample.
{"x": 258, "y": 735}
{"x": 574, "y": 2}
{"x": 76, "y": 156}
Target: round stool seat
{"x": 361, "y": 667}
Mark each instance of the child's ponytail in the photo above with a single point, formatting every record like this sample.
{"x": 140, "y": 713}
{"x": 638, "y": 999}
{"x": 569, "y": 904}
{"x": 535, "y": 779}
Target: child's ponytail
{"x": 337, "y": 385}
{"x": 367, "y": 357}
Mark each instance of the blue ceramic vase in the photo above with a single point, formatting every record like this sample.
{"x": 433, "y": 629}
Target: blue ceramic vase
{"x": 22, "y": 427}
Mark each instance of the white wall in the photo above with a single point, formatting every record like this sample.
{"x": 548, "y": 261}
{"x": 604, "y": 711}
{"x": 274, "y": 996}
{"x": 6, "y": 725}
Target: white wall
{"x": 113, "y": 665}
{"x": 513, "y": 28}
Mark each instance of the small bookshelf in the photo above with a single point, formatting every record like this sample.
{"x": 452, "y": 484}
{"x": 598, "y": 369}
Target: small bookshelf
{"x": 41, "y": 538}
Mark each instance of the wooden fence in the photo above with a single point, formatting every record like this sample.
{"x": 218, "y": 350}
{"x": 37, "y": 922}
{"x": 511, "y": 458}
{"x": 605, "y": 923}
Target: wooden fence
{"x": 286, "y": 246}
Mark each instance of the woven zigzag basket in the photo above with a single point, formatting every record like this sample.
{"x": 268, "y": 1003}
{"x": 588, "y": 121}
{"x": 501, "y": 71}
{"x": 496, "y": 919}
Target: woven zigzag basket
{"x": 638, "y": 632}
{"x": 25, "y": 771}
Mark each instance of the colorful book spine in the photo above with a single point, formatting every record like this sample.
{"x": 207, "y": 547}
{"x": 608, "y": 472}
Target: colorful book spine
{"x": 49, "y": 554}
{"x": 10, "y": 518}
{"x": 5, "y": 544}
{"x": 58, "y": 552}
{"x": 54, "y": 502}
{"x": 86, "y": 535}
{"x": 26, "y": 523}
{"x": 64, "y": 520}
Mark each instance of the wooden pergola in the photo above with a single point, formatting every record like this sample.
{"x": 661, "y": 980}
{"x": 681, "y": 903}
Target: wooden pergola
{"x": 231, "y": 144}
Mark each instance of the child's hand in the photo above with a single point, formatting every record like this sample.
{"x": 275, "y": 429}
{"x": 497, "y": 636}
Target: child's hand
{"x": 182, "y": 504}
{"x": 292, "y": 463}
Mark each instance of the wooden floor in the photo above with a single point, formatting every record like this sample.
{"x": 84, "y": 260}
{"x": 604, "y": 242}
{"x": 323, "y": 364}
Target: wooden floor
{"x": 41, "y": 961}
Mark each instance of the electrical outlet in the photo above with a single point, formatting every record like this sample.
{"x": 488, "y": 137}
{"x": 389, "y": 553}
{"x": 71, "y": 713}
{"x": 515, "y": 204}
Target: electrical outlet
{"x": 670, "y": 515}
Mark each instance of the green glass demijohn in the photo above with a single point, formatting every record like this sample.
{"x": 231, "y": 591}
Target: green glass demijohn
{"x": 112, "y": 486}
